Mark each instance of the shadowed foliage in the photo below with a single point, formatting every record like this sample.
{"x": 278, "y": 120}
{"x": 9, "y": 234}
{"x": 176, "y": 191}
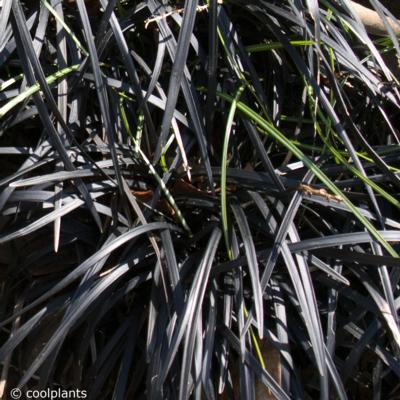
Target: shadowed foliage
{"x": 199, "y": 199}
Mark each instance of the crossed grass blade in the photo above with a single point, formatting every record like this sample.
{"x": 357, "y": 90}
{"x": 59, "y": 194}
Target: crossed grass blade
{"x": 119, "y": 293}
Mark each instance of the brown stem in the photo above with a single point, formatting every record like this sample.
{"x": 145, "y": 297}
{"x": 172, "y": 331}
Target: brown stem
{"x": 373, "y": 22}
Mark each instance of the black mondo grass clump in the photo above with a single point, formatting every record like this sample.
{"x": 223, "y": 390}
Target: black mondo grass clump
{"x": 199, "y": 199}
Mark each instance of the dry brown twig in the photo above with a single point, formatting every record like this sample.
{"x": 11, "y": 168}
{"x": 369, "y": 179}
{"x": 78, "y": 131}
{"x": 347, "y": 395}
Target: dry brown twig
{"x": 309, "y": 190}
{"x": 178, "y": 11}
{"x": 370, "y": 18}
{"x": 373, "y": 22}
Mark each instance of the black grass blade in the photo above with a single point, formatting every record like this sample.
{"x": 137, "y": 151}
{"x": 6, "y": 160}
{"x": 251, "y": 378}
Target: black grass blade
{"x": 117, "y": 183}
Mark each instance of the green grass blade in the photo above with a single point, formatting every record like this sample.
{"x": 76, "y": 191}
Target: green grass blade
{"x": 35, "y": 88}
{"x": 153, "y": 172}
{"x": 281, "y": 138}
{"x": 66, "y": 28}
{"x": 224, "y": 166}
{"x": 262, "y": 47}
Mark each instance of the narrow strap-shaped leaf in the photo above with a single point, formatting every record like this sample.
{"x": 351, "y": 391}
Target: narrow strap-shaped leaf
{"x": 83, "y": 267}
{"x": 177, "y": 71}
{"x": 100, "y": 89}
{"x": 252, "y": 264}
{"x": 192, "y": 308}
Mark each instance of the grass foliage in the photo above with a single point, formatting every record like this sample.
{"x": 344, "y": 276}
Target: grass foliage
{"x": 199, "y": 199}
